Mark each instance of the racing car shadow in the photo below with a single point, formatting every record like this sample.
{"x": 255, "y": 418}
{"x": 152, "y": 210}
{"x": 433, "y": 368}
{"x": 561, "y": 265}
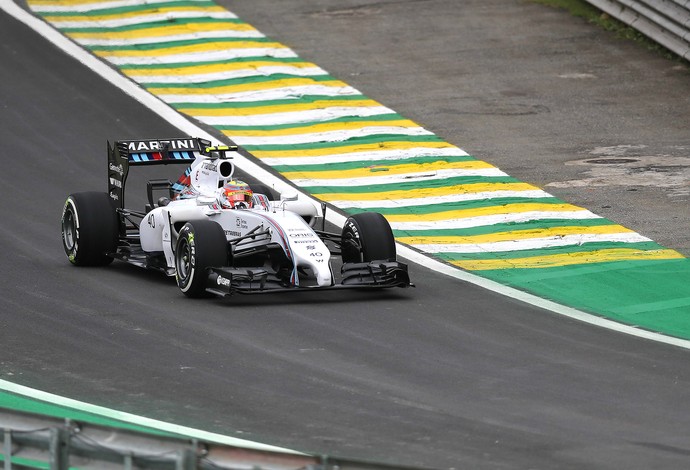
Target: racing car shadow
{"x": 141, "y": 275}
{"x": 305, "y": 297}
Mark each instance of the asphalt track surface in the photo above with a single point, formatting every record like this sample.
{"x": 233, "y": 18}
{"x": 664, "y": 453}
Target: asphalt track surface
{"x": 595, "y": 120}
{"x": 445, "y": 375}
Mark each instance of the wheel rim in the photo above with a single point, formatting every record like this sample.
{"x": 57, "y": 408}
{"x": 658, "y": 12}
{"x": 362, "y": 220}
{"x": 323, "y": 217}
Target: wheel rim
{"x": 184, "y": 261}
{"x": 69, "y": 230}
{"x": 351, "y": 249}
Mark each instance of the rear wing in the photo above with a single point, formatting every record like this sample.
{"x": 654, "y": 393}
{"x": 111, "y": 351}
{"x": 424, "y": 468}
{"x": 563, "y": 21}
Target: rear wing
{"x": 125, "y": 153}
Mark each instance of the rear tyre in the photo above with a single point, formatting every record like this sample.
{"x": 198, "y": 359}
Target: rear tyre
{"x": 89, "y": 228}
{"x": 201, "y": 245}
{"x": 367, "y": 237}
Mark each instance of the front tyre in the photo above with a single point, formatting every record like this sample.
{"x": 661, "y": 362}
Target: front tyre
{"x": 201, "y": 245}
{"x": 367, "y": 237}
{"x": 90, "y": 228}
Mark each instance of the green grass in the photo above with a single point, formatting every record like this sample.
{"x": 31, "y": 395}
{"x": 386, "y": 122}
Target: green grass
{"x": 591, "y": 14}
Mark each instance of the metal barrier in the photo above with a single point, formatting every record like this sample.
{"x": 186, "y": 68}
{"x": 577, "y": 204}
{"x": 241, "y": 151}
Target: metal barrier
{"x": 664, "y": 21}
{"x": 30, "y": 440}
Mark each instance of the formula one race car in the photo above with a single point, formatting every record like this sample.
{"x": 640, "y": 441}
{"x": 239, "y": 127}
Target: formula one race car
{"x": 219, "y": 235}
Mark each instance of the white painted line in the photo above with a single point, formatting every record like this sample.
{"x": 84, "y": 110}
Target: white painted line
{"x": 531, "y": 299}
{"x": 138, "y": 420}
{"x": 268, "y": 178}
{"x": 184, "y": 125}
{"x": 129, "y": 87}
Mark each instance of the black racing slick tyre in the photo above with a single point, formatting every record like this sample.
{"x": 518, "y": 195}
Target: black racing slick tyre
{"x": 201, "y": 245}
{"x": 367, "y": 237}
{"x": 90, "y": 228}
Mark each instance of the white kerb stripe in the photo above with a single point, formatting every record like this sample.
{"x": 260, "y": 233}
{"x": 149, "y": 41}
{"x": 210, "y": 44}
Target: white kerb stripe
{"x": 209, "y": 56}
{"x": 488, "y": 220}
{"x": 263, "y": 95}
{"x": 227, "y": 33}
{"x": 262, "y": 71}
{"x": 530, "y": 243}
{"x": 433, "y": 200}
{"x": 86, "y": 7}
{"x": 295, "y": 116}
{"x": 383, "y": 154}
{"x": 141, "y": 19}
{"x": 378, "y": 178}
{"x": 328, "y": 136}
{"x": 185, "y": 125}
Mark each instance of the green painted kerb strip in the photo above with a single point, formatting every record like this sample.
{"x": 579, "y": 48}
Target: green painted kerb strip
{"x": 652, "y": 295}
{"x": 18, "y": 397}
{"x": 20, "y": 403}
{"x": 28, "y": 463}
{"x": 359, "y": 155}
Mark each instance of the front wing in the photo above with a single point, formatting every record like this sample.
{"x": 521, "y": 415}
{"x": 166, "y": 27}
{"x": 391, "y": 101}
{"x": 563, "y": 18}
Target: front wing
{"x": 227, "y": 281}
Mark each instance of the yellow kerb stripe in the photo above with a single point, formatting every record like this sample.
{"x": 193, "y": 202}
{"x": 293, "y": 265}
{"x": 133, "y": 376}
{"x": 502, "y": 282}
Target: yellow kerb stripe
{"x": 567, "y": 259}
{"x": 158, "y": 31}
{"x": 515, "y": 235}
{"x": 281, "y": 108}
{"x": 426, "y": 192}
{"x": 483, "y": 211}
{"x": 212, "y": 68}
{"x": 173, "y": 90}
{"x": 350, "y": 149}
{"x": 133, "y": 14}
{"x": 191, "y": 49}
{"x": 325, "y": 127}
{"x": 59, "y": 2}
{"x": 383, "y": 170}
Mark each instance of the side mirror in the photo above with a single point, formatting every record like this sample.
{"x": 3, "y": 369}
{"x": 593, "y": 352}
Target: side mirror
{"x": 289, "y": 196}
{"x": 205, "y": 201}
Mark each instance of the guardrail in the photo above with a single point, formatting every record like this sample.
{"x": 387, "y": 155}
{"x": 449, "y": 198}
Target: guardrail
{"x": 30, "y": 440}
{"x": 664, "y": 21}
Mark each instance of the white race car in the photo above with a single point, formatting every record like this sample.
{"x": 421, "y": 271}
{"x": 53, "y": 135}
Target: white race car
{"x": 220, "y": 236}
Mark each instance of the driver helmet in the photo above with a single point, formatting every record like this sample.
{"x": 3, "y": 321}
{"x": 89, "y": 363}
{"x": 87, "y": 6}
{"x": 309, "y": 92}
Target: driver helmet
{"x": 236, "y": 195}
